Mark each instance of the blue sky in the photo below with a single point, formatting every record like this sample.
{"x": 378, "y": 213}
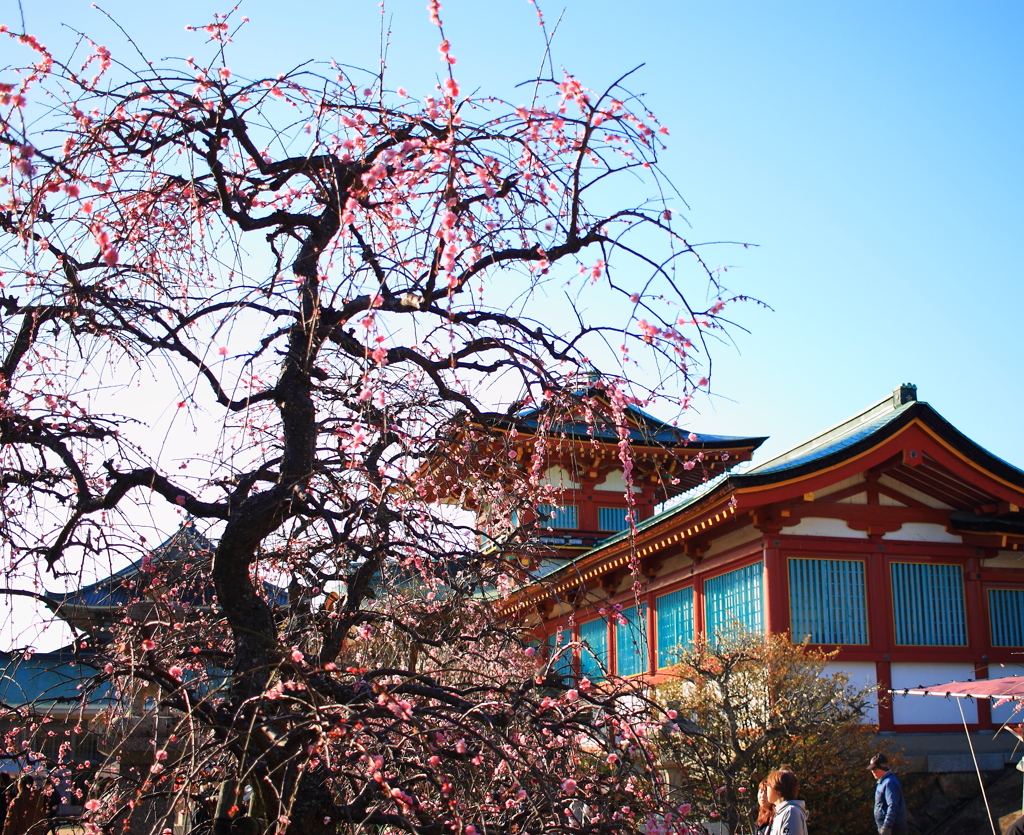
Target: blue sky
{"x": 871, "y": 150}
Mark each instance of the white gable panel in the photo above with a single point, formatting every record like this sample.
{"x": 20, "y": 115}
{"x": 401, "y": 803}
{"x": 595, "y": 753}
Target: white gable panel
{"x": 923, "y": 532}
{"x": 815, "y": 526}
{"x": 615, "y": 482}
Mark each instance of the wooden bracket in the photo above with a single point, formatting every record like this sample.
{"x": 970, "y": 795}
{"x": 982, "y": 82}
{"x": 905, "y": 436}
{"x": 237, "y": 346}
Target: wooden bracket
{"x": 650, "y": 566}
{"x": 610, "y": 581}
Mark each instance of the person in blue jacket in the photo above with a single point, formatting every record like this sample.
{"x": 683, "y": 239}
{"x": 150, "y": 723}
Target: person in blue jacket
{"x": 890, "y": 810}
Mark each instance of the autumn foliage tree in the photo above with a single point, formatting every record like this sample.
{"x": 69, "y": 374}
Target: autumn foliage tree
{"x": 750, "y": 704}
{"x": 290, "y": 308}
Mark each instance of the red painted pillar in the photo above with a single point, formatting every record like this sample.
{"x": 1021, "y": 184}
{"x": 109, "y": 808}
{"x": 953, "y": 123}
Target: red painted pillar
{"x": 880, "y": 626}
{"x": 974, "y": 602}
{"x": 883, "y": 676}
{"x": 978, "y": 637}
{"x": 612, "y": 659}
{"x": 699, "y": 619}
{"x": 588, "y": 506}
{"x": 652, "y": 633}
{"x": 984, "y": 705}
{"x": 776, "y": 587}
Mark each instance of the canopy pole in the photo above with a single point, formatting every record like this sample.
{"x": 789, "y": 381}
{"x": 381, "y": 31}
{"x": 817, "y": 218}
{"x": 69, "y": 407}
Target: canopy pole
{"x": 977, "y": 768}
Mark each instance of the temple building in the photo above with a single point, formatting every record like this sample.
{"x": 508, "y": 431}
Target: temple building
{"x": 891, "y": 538}
{"x": 583, "y": 464}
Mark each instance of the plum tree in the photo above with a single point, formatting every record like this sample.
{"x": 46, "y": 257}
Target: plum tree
{"x": 277, "y": 306}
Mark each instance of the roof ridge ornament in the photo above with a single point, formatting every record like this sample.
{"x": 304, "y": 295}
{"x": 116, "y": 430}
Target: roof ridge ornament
{"x": 902, "y": 394}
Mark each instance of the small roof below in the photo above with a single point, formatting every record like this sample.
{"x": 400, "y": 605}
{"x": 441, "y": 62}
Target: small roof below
{"x": 1011, "y": 687}
{"x": 48, "y": 679}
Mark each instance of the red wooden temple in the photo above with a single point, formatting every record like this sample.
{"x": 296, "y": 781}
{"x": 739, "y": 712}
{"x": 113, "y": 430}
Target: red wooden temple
{"x": 891, "y": 537}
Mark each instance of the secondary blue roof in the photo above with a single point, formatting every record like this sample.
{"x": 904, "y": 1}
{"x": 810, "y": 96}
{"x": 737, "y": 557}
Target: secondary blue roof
{"x": 184, "y": 545}
{"x": 48, "y": 678}
{"x": 647, "y": 429}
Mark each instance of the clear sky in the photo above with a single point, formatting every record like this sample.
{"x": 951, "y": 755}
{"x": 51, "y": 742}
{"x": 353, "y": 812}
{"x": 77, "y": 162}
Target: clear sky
{"x": 872, "y": 151}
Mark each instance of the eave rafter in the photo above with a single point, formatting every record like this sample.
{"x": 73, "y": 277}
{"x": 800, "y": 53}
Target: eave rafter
{"x": 992, "y": 540}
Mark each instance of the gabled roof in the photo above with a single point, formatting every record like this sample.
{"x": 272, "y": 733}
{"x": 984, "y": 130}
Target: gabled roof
{"x": 183, "y": 546}
{"x": 180, "y": 560}
{"x": 837, "y": 440}
{"x": 867, "y": 429}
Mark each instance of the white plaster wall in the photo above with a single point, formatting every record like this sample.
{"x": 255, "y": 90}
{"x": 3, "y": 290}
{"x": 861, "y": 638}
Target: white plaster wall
{"x": 733, "y": 540}
{"x": 615, "y": 482}
{"x": 1006, "y": 559}
{"x": 862, "y": 674}
{"x": 923, "y": 532}
{"x": 814, "y": 526}
{"x": 1009, "y": 712}
{"x": 930, "y": 710}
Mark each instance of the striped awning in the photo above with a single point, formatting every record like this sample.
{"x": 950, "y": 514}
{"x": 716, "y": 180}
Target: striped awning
{"x": 990, "y": 688}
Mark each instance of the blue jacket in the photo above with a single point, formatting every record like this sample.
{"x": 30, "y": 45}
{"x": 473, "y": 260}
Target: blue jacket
{"x": 890, "y": 810}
